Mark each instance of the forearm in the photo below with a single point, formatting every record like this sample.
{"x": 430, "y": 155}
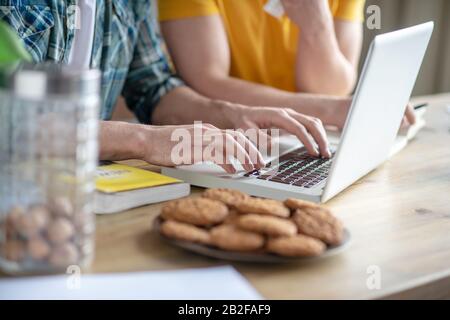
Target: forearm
{"x": 321, "y": 66}
{"x": 253, "y": 94}
{"x": 184, "y": 106}
{"x": 121, "y": 140}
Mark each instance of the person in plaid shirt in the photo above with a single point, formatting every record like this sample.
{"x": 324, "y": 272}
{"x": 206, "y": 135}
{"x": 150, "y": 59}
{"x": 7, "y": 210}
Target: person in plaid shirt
{"x": 122, "y": 39}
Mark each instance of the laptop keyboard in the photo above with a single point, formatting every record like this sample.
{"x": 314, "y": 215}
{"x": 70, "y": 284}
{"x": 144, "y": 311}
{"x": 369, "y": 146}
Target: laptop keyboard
{"x": 297, "y": 168}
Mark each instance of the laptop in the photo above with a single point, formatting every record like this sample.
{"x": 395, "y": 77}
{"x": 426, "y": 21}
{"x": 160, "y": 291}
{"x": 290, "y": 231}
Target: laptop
{"x": 367, "y": 140}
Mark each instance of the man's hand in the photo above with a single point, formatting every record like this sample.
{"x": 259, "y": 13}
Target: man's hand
{"x": 329, "y": 48}
{"x": 410, "y": 116}
{"x": 156, "y": 145}
{"x": 335, "y": 113}
{"x": 204, "y": 143}
{"x": 308, "y": 14}
{"x": 308, "y": 130}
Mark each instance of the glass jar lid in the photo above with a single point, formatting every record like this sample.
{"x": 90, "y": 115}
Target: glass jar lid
{"x": 41, "y": 80}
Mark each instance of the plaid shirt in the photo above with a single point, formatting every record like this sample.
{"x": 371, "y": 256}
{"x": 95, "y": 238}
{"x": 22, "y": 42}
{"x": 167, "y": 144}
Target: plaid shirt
{"x": 127, "y": 46}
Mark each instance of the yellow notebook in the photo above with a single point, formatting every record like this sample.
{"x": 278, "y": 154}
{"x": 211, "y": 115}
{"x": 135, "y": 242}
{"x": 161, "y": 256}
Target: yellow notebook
{"x": 118, "y": 178}
{"x": 121, "y": 187}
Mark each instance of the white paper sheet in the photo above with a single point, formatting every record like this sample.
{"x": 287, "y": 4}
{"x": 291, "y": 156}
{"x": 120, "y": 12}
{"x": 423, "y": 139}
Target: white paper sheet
{"x": 206, "y": 283}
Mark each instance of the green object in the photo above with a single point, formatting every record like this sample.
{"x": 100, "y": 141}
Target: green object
{"x": 12, "y": 53}
{"x": 11, "y": 47}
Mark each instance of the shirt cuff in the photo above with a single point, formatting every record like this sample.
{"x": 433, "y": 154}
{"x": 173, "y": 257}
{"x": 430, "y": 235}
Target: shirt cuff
{"x": 146, "y": 107}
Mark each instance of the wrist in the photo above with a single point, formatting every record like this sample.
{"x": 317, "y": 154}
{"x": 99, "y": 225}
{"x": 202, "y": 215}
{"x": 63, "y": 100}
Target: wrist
{"x": 142, "y": 141}
{"x": 317, "y": 28}
{"x": 120, "y": 141}
{"x": 335, "y": 111}
{"x": 227, "y": 114}
{"x": 331, "y": 110}
{"x": 312, "y": 21}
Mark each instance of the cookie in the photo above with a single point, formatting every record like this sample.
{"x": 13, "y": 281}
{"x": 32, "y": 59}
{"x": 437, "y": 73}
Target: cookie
{"x": 232, "y": 217}
{"x": 319, "y": 223}
{"x": 198, "y": 211}
{"x": 229, "y": 237}
{"x": 185, "y": 232}
{"x": 227, "y": 196}
{"x": 263, "y": 206}
{"x": 296, "y": 246}
{"x": 295, "y": 204}
{"x": 267, "y": 225}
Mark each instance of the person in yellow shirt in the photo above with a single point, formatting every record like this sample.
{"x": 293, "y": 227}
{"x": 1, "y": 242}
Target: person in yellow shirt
{"x": 233, "y": 50}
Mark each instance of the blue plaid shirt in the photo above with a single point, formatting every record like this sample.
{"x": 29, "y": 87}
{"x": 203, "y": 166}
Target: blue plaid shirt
{"x": 127, "y": 47}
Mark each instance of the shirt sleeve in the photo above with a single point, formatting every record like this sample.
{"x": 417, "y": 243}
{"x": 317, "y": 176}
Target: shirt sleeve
{"x": 351, "y": 10}
{"x": 150, "y": 76}
{"x": 179, "y": 9}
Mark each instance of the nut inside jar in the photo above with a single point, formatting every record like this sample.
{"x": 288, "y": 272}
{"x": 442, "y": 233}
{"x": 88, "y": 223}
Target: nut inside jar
{"x": 45, "y": 237}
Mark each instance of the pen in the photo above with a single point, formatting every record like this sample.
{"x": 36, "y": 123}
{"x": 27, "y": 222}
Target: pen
{"x": 420, "y": 106}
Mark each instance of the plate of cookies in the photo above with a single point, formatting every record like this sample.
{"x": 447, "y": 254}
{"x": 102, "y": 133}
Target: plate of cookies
{"x": 230, "y": 225}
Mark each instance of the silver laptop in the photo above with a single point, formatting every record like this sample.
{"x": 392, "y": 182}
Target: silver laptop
{"x": 378, "y": 107}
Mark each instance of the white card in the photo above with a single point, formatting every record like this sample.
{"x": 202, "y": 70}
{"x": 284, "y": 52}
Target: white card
{"x": 218, "y": 283}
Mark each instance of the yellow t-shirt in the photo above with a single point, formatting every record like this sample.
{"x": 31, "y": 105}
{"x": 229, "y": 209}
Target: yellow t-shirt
{"x": 263, "y": 48}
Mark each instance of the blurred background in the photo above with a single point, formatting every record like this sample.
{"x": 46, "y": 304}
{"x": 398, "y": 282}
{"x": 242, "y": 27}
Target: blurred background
{"x": 395, "y": 14}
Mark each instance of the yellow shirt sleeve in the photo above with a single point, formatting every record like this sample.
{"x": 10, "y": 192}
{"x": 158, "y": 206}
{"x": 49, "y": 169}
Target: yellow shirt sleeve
{"x": 352, "y": 10}
{"x": 179, "y": 9}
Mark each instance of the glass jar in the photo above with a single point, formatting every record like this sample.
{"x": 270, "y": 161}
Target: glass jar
{"x": 48, "y": 158}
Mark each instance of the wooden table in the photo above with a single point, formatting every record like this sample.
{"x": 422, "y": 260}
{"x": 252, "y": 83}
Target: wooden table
{"x": 399, "y": 217}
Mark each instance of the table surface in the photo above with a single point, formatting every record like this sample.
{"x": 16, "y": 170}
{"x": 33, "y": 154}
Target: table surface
{"x": 399, "y": 218}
